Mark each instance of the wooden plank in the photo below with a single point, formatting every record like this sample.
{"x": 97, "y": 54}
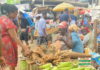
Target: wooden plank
{"x": 96, "y": 22}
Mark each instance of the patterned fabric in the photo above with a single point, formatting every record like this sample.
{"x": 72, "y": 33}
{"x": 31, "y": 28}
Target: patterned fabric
{"x": 9, "y": 50}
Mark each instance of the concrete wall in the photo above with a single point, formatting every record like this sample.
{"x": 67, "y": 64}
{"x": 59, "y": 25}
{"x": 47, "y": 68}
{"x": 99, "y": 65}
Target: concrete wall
{"x": 98, "y": 2}
{"x": 2, "y": 1}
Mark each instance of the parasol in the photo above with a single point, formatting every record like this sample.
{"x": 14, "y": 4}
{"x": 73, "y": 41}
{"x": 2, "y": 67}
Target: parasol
{"x": 63, "y": 6}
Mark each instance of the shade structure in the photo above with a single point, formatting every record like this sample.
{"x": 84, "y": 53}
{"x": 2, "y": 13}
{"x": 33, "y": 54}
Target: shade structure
{"x": 62, "y": 7}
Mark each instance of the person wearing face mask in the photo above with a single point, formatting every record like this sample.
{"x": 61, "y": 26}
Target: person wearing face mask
{"x": 9, "y": 36}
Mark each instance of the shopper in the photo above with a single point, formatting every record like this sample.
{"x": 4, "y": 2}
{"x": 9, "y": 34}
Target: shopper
{"x": 24, "y": 25}
{"x": 73, "y": 18}
{"x": 41, "y": 28}
{"x": 9, "y": 36}
{"x": 65, "y": 16}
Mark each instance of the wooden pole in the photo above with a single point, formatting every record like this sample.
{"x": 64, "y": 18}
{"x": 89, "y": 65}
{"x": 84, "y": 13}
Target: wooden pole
{"x": 95, "y": 35}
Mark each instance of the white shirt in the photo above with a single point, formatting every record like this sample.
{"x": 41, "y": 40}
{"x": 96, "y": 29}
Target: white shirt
{"x": 40, "y": 26}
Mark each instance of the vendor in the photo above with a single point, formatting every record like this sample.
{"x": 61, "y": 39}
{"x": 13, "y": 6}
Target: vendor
{"x": 76, "y": 41}
{"x": 63, "y": 36}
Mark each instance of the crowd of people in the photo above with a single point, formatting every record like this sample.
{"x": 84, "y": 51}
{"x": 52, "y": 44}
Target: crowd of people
{"x": 15, "y": 27}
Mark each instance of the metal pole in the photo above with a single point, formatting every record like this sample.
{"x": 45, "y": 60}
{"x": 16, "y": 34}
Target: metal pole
{"x": 92, "y": 3}
{"x": 43, "y": 2}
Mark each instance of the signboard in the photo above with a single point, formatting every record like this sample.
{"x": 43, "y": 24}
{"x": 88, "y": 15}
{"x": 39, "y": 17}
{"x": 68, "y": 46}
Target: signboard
{"x": 13, "y": 1}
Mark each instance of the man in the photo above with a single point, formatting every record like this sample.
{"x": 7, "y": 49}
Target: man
{"x": 73, "y": 18}
{"x": 24, "y": 24}
{"x": 41, "y": 27}
{"x": 64, "y": 16}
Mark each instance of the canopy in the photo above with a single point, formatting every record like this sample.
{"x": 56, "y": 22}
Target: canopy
{"x": 63, "y": 6}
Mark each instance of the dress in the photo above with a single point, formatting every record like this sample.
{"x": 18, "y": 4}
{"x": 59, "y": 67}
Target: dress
{"x": 9, "y": 49}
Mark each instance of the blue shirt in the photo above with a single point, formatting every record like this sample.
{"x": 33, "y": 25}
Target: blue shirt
{"x": 73, "y": 17}
{"x": 77, "y": 43}
{"x": 41, "y": 25}
{"x": 64, "y": 17}
{"x": 85, "y": 21}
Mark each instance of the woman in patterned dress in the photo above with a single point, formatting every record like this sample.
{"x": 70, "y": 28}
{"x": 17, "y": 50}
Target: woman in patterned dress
{"x": 9, "y": 36}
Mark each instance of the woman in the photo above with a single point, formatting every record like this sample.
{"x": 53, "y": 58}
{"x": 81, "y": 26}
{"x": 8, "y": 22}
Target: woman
{"x": 9, "y": 36}
{"x": 76, "y": 41}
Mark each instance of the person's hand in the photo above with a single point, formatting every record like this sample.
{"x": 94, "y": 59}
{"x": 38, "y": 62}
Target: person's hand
{"x": 27, "y": 51}
{"x": 23, "y": 30}
{"x": 2, "y": 62}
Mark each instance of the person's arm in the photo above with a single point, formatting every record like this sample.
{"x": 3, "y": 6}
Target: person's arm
{"x": 44, "y": 28}
{"x": 0, "y": 43}
{"x": 69, "y": 41}
{"x": 86, "y": 39}
{"x": 0, "y": 46}
{"x": 13, "y": 35}
{"x": 2, "y": 60}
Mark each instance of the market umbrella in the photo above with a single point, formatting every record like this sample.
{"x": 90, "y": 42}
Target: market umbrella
{"x": 63, "y": 6}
